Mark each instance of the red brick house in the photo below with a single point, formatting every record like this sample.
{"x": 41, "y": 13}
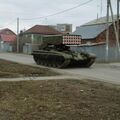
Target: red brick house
{"x": 7, "y": 38}
{"x": 94, "y": 32}
{"x": 33, "y": 35}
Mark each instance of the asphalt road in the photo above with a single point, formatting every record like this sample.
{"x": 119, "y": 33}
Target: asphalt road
{"x": 102, "y": 72}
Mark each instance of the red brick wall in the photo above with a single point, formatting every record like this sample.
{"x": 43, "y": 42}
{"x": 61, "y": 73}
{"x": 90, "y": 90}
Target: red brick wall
{"x": 102, "y": 37}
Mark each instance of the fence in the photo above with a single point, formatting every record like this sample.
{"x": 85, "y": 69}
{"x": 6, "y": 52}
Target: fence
{"x": 5, "y": 47}
{"x": 100, "y": 52}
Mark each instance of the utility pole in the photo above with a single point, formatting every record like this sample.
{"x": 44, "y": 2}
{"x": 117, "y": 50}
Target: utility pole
{"x": 107, "y": 30}
{"x": 116, "y": 29}
{"x": 118, "y": 23}
{"x": 116, "y": 32}
{"x": 17, "y": 35}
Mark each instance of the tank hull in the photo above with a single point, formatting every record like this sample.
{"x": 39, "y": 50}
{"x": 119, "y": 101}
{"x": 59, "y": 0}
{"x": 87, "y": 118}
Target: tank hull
{"x": 61, "y": 59}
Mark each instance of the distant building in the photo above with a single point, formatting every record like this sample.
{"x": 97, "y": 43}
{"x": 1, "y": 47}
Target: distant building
{"x": 94, "y": 38}
{"x": 64, "y": 28}
{"x": 7, "y": 38}
{"x": 30, "y": 39}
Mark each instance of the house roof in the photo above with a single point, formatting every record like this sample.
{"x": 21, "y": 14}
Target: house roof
{"x": 8, "y": 38}
{"x": 90, "y": 31}
{"x": 4, "y": 31}
{"x": 93, "y": 28}
{"x": 43, "y": 29}
{"x": 101, "y": 20}
{"x": 7, "y": 35}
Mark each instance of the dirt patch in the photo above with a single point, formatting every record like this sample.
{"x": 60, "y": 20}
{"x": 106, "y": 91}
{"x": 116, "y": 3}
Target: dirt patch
{"x": 11, "y": 69}
{"x": 59, "y": 100}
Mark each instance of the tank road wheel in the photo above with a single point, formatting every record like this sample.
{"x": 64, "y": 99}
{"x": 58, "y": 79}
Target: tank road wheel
{"x": 56, "y": 62}
{"x": 46, "y": 63}
{"x": 90, "y": 62}
{"x": 42, "y": 62}
{"x": 49, "y": 61}
{"x": 49, "y": 64}
{"x": 56, "y": 65}
{"x": 52, "y": 63}
{"x": 36, "y": 60}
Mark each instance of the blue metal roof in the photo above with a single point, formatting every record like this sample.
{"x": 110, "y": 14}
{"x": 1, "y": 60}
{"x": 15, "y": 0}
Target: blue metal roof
{"x": 90, "y": 31}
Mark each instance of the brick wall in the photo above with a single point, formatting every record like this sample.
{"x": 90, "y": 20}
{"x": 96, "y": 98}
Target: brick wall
{"x": 102, "y": 37}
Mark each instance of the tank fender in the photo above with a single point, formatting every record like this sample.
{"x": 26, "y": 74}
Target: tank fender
{"x": 67, "y": 56}
{"x": 77, "y": 56}
{"x": 88, "y": 55}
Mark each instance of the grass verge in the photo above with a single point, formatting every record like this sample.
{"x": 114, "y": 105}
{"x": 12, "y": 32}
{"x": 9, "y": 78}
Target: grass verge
{"x": 59, "y": 100}
{"x": 11, "y": 69}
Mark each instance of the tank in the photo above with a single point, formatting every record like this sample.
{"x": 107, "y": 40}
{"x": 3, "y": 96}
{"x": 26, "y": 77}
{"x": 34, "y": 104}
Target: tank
{"x": 53, "y": 53}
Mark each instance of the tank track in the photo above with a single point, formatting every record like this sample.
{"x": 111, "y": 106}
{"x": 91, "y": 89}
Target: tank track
{"x": 82, "y": 63}
{"x": 91, "y": 61}
{"x": 51, "y": 60}
{"x": 59, "y": 61}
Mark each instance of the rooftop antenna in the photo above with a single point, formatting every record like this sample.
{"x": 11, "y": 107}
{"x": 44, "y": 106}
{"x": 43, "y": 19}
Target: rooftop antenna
{"x": 97, "y": 16}
{"x": 18, "y": 35}
{"x": 97, "y": 10}
{"x": 101, "y": 8}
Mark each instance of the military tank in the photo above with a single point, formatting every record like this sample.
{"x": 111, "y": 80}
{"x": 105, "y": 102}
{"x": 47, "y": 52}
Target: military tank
{"x": 52, "y": 52}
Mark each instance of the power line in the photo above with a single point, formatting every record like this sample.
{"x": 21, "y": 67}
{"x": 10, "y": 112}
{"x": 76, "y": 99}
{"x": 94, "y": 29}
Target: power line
{"x": 63, "y": 11}
{"x": 11, "y": 22}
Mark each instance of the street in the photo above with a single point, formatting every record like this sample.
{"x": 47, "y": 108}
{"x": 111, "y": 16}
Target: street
{"x": 103, "y": 72}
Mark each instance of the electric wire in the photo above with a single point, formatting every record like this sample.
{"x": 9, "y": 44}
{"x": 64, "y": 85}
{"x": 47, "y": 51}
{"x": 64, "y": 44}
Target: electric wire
{"x": 7, "y": 24}
{"x": 57, "y": 13}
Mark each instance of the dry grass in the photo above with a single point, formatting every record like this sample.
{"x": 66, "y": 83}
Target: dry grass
{"x": 11, "y": 69}
{"x": 59, "y": 100}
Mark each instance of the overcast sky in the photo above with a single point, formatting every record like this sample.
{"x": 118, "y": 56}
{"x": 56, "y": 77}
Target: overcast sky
{"x": 31, "y": 11}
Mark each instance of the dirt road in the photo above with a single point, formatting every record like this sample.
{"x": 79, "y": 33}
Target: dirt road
{"x": 102, "y": 72}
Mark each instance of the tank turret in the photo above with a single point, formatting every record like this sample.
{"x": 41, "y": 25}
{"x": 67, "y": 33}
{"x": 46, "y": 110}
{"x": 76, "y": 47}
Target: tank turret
{"x": 54, "y": 53}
